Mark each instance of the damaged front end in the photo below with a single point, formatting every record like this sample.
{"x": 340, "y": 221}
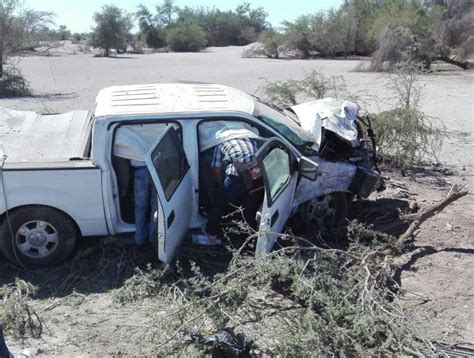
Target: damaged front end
{"x": 347, "y": 156}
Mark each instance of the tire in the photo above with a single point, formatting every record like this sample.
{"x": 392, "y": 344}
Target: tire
{"x": 42, "y": 237}
{"x": 326, "y": 215}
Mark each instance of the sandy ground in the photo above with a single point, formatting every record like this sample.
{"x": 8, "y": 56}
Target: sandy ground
{"x": 439, "y": 286}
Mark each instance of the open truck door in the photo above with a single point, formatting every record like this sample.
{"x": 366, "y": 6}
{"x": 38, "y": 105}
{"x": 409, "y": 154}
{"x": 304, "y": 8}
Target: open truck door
{"x": 169, "y": 169}
{"x": 278, "y": 167}
{"x": 280, "y": 171}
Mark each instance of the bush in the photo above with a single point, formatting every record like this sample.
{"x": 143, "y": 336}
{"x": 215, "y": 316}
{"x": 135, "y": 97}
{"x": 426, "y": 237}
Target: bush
{"x": 299, "y": 300}
{"x": 282, "y": 93}
{"x": 186, "y": 36}
{"x": 315, "y": 85}
{"x": 16, "y": 314}
{"x": 271, "y": 40}
{"x": 406, "y": 136}
{"x": 13, "y": 84}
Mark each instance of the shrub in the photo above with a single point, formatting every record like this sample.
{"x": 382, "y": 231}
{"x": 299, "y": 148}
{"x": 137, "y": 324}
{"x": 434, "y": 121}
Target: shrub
{"x": 13, "y": 84}
{"x": 315, "y": 85}
{"x": 283, "y": 93}
{"x": 299, "y": 300}
{"x": 271, "y": 40}
{"x": 186, "y": 36}
{"x": 16, "y": 314}
{"x": 407, "y": 136}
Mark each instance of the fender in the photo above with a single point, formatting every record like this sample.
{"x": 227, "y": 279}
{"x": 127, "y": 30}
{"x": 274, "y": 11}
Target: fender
{"x": 78, "y": 196}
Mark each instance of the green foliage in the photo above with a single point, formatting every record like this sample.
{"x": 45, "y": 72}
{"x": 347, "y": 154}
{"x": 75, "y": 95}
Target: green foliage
{"x": 363, "y": 11}
{"x": 270, "y": 40}
{"x": 143, "y": 284}
{"x": 454, "y": 28}
{"x": 13, "y": 84}
{"x": 63, "y": 33}
{"x": 166, "y": 12}
{"x": 225, "y": 28}
{"x": 298, "y": 301}
{"x": 150, "y": 29}
{"x": 269, "y": 43}
{"x": 333, "y": 32}
{"x": 20, "y": 28}
{"x": 112, "y": 30}
{"x": 402, "y": 29}
{"x": 186, "y": 36}
{"x": 407, "y": 136}
{"x": 297, "y": 36}
{"x": 282, "y": 93}
{"x": 315, "y": 85}
{"x": 16, "y": 314}
{"x": 220, "y": 28}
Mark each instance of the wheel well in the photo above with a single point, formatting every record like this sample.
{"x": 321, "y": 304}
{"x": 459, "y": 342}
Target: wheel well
{"x": 76, "y": 227}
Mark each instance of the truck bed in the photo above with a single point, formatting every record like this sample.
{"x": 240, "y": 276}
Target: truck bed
{"x": 29, "y": 137}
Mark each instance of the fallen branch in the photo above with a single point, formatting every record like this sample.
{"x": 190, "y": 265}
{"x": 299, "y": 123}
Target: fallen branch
{"x": 464, "y": 65}
{"x": 454, "y": 194}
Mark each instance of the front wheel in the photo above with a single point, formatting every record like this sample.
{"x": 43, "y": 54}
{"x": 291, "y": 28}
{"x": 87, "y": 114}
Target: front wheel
{"x": 37, "y": 237}
{"x": 325, "y": 215}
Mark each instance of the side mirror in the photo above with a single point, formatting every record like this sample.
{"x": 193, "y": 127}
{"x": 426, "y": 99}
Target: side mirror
{"x": 308, "y": 168}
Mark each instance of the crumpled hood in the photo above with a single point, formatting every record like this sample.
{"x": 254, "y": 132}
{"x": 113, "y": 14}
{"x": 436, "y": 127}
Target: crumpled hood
{"x": 333, "y": 114}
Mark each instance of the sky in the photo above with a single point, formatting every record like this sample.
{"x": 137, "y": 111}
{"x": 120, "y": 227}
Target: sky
{"x": 77, "y": 14}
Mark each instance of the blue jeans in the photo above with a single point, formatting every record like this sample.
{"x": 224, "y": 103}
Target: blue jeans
{"x": 145, "y": 206}
{"x": 232, "y": 191}
{"x": 4, "y": 353}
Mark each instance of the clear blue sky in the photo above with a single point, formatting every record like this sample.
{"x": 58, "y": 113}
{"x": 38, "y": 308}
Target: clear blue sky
{"x": 77, "y": 14}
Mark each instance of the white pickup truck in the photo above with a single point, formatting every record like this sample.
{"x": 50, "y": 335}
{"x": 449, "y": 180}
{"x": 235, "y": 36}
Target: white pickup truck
{"x": 64, "y": 177}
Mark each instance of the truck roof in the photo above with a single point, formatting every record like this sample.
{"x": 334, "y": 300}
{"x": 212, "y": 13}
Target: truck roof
{"x": 171, "y": 98}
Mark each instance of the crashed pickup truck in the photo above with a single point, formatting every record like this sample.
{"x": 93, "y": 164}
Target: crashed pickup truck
{"x": 68, "y": 176}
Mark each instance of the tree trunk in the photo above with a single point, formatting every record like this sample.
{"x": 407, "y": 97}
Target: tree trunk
{"x": 106, "y": 52}
{"x": 464, "y": 65}
{"x": 1, "y": 64}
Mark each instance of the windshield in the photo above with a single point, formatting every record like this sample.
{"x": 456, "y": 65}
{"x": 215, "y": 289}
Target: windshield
{"x": 285, "y": 123}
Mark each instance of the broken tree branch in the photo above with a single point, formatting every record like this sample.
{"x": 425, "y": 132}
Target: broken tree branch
{"x": 464, "y": 65}
{"x": 454, "y": 194}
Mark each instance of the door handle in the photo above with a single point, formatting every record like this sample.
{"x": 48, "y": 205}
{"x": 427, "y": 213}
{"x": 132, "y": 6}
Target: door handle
{"x": 275, "y": 217}
{"x": 170, "y": 219}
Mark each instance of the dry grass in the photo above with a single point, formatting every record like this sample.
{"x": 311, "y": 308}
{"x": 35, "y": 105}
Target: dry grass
{"x": 302, "y": 299}
{"x": 16, "y": 313}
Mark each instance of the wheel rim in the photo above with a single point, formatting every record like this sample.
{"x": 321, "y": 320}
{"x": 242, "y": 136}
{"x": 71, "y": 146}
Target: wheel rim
{"x": 321, "y": 214}
{"x": 37, "y": 239}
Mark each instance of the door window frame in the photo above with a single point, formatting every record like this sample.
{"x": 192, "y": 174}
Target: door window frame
{"x": 113, "y": 126}
{"x": 267, "y": 147}
{"x": 180, "y": 145}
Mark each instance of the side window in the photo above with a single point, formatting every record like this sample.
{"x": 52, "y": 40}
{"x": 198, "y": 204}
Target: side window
{"x": 170, "y": 162}
{"x": 276, "y": 165}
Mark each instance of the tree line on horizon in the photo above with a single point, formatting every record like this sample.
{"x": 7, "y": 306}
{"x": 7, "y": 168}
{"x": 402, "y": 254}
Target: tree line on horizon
{"x": 385, "y": 30}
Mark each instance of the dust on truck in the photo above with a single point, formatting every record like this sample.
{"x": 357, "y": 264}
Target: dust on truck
{"x": 63, "y": 177}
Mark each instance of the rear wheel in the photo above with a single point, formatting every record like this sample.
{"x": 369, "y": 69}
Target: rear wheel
{"x": 37, "y": 236}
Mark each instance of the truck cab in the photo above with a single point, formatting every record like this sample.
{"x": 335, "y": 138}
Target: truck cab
{"x": 53, "y": 195}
